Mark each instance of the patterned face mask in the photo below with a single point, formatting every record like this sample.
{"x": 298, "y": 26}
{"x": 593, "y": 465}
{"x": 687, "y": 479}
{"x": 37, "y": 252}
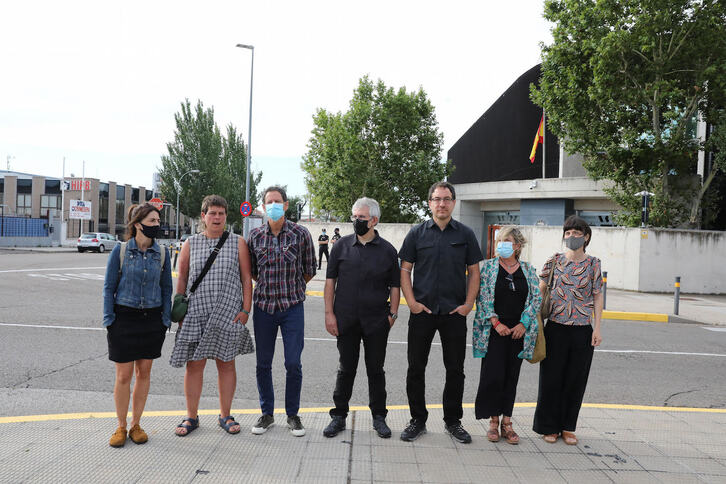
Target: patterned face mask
{"x": 574, "y": 243}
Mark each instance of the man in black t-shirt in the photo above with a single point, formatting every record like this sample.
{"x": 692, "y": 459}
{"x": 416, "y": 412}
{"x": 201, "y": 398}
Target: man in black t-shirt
{"x": 335, "y": 237}
{"x": 323, "y": 248}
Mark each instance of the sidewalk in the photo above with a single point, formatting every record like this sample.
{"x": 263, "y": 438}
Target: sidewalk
{"x": 616, "y": 445}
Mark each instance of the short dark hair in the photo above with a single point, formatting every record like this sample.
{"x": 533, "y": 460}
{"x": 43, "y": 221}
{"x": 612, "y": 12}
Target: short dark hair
{"x": 275, "y": 188}
{"x": 136, "y": 214}
{"x": 574, "y": 222}
{"x": 443, "y": 184}
{"x": 214, "y": 201}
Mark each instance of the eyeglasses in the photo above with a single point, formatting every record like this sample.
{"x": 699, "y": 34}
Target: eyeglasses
{"x": 362, "y": 218}
{"x": 510, "y": 280}
{"x": 439, "y": 199}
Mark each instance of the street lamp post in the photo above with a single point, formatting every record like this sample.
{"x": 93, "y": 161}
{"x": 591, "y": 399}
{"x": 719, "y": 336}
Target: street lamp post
{"x": 246, "y": 229}
{"x": 178, "y": 189}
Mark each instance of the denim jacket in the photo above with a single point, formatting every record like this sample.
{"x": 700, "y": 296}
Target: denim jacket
{"x": 485, "y": 308}
{"x": 142, "y": 284}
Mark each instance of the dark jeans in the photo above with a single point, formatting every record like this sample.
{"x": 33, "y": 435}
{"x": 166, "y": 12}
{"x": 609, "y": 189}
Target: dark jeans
{"x": 374, "y": 346}
{"x": 563, "y": 378}
{"x": 499, "y": 375}
{"x": 292, "y": 326}
{"x": 322, "y": 249}
{"x": 452, "y": 331}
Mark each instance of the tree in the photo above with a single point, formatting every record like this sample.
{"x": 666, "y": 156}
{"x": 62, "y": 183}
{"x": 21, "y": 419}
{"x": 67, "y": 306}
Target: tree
{"x": 222, "y": 160}
{"x": 387, "y": 146}
{"x": 624, "y": 82}
{"x": 295, "y": 207}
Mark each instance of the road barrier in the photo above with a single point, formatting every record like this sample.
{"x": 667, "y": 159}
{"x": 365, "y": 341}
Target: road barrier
{"x": 677, "y": 295}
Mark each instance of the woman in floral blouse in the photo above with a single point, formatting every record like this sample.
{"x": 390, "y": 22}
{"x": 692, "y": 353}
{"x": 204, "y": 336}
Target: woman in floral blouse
{"x": 572, "y": 332}
{"x": 505, "y": 330}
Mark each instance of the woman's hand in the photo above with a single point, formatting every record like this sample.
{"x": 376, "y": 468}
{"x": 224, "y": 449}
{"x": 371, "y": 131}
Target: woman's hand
{"x": 596, "y": 338}
{"x": 503, "y": 330}
{"x": 518, "y": 331}
{"x": 241, "y": 317}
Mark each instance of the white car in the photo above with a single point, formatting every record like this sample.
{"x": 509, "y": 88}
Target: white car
{"x": 97, "y": 241}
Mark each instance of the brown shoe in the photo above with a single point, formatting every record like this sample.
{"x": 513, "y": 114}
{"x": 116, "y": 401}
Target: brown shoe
{"x": 137, "y": 435}
{"x": 550, "y": 438}
{"x": 509, "y": 433}
{"x": 493, "y": 432}
{"x": 118, "y": 439}
{"x": 569, "y": 438}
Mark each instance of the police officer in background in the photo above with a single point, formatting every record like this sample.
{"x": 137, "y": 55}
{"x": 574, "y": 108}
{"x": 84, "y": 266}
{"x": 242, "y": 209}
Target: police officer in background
{"x": 441, "y": 251}
{"x": 335, "y": 237}
{"x": 323, "y": 249}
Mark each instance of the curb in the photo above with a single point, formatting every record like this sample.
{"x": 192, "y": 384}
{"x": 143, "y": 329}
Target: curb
{"x": 635, "y": 316}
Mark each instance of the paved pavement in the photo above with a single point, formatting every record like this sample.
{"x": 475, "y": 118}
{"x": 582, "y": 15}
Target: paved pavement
{"x": 616, "y": 445}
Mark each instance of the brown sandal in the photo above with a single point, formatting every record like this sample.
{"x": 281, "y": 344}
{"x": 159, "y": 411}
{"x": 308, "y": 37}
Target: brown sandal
{"x": 137, "y": 435}
{"x": 118, "y": 439}
{"x": 550, "y": 438}
{"x": 569, "y": 438}
{"x": 509, "y": 433}
{"x": 493, "y": 432}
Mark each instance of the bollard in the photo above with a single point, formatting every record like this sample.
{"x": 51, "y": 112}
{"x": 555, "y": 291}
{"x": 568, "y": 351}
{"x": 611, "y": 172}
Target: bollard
{"x": 176, "y": 255}
{"x": 604, "y": 289}
{"x": 677, "y": 295}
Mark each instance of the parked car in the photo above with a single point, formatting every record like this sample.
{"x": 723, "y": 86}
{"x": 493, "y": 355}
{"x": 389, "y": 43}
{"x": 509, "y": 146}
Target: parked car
{"x": 98, "y": 241}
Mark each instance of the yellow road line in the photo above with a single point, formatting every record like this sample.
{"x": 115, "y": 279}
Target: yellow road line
{"x": 256, "y": 411}
{"x": 625, "y": 315}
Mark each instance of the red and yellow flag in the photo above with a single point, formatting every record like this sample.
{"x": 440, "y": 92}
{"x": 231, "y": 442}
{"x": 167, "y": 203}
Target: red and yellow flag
{"x": 538, "y": 137}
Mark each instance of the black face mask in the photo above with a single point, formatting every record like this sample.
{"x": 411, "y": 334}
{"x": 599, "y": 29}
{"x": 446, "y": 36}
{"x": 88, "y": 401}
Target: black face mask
{"x": 150, "y": 231}
{"x": 360, "y": 227}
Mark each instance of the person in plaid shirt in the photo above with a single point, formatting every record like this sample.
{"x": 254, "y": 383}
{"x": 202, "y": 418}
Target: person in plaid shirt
{"x": 283, "y": 261}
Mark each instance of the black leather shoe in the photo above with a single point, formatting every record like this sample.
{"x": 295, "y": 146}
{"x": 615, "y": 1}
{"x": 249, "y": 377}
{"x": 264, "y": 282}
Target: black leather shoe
{"x": 336, "y": 425}
{"x": 380, "y": 426}
{"x": 413, "y": 431}
{"x": 458, "y": 432}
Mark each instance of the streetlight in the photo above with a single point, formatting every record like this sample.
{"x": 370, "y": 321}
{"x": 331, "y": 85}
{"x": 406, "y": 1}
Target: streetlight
{"x": 177, "y": 183}
{"x": 246, "y": 229}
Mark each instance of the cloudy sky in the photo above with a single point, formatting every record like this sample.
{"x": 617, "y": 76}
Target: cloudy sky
{"x": 101, "y": 81}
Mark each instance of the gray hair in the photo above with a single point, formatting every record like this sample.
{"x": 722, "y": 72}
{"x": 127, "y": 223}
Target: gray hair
{"x": 373, "y": 208}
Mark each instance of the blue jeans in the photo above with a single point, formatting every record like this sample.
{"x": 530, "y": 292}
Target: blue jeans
{"x": 292, "y": 325}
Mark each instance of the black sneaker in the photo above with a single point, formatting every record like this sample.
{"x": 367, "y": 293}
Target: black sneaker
{"x": 263, "y": 423}
{"x": 413, "y": 431}
{"x": 336, "y": 425}
{"x": 295, "y": 426}
{"x": 380, "y": 426}
{"x": 458, "y": 432}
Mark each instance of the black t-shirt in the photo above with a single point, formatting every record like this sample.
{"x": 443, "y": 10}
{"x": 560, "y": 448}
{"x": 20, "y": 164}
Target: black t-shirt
{"x": 440, "y": 258}
{"x": 364, "y": 277}
{"x": 336, "y": 236}
{"x": 508, "y": 303}
{"x": 323, "y": 238}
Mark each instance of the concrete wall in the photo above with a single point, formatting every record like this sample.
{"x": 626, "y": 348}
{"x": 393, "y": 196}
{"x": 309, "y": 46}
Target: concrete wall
{"x": 26, "y": 242}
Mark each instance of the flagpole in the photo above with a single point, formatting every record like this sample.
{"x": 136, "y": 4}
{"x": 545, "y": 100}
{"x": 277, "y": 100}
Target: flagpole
{"x": 544, "y": 142}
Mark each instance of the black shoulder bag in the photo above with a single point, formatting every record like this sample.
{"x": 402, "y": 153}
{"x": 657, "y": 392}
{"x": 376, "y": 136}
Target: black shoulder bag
{"x": 181, "y": 301}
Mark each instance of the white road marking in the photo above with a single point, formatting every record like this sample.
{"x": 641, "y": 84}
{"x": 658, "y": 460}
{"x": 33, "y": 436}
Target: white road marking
{"x": 710, "y": 328}
{"x": 333, "y": 340}
{"x": 67, "y": 277}
{"x": 53, "y": 269}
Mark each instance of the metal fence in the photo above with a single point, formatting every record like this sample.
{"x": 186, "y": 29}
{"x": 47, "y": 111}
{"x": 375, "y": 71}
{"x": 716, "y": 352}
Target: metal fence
{"x": 23, "y": 227}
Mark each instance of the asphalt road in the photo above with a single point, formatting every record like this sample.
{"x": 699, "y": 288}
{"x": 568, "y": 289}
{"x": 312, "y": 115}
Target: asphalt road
{"x": 53, "y": 355}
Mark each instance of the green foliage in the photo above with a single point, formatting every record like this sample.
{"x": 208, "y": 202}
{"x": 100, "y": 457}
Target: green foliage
{"x": 222, "y": 160}
{"x": 623, "y": 83}
{"x": 387, "y": 146}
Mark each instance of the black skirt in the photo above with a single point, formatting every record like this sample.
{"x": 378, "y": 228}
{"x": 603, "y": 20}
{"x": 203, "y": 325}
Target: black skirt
{"x": 136, "y": 334}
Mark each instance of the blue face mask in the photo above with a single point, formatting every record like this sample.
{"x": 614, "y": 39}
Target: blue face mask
{"x": 274, "y": 211}
{"x": 505, "y": 249}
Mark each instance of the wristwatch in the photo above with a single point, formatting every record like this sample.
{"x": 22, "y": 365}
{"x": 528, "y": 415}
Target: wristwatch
{"x": 393, "y": 316}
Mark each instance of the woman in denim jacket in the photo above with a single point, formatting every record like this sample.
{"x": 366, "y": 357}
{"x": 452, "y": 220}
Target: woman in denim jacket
{"x": 508, "y": 302}
{"x": 136, "y": 313}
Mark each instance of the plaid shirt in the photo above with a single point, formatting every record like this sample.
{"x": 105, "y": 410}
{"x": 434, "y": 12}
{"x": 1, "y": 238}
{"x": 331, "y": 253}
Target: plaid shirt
{"x": 279, "y": 264}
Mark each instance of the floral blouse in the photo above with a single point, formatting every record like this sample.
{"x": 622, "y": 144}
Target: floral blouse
{"x": 573, "y": 289}
{"x": 485, "y": 308}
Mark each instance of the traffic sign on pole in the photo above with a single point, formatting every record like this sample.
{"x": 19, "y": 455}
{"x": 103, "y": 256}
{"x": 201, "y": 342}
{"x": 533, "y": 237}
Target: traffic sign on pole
{"x": 157, "y": 203}
{"x": 245, "y": 209}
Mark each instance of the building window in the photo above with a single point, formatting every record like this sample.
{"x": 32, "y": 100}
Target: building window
{"x": 24, "y": 205}
{"x": 103, "y": 204}
{"x": 52, "y": 187}
{"x": 49, "y": 205}
{"x": 134, "y": 195}
{"x": 120, "y": 204}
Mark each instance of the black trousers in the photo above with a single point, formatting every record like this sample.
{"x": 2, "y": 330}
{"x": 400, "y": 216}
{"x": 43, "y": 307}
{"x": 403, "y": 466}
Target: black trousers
{"x": 421, "y": 330}
{"x": 374, "y": 345}
{"x": 499, "y": 375}
{"x": 322, "y": 249}
{"x": 563, "y": 377}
